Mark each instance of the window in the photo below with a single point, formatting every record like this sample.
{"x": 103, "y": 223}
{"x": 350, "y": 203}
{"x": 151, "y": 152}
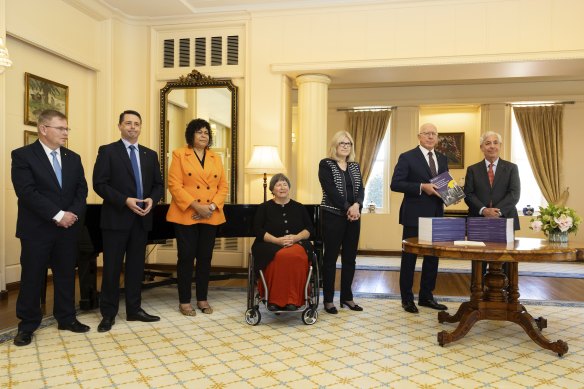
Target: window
{"x": 376, "y": 187}
{"x": 530, "y": 192}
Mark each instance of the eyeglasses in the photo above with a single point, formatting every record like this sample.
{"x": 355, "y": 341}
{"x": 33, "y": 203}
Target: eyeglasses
{"x": 429, "y": 134}
{"x": 62, "y": 129}
{"x": 345, "y": 144}
{"x": 202, "y": 132}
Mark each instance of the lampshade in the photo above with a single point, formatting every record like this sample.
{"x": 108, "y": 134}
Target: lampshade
{"x": 264, "y": 159}
{"x": 5, "y": 61}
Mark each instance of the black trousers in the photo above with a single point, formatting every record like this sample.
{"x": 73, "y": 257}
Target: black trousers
{"x": 408, "y": 267}
{"x": 339, "y": 235}
{"x": 116, "y": 244}
{"x": 194, "y": 241}
{"x": 36, "y": 256}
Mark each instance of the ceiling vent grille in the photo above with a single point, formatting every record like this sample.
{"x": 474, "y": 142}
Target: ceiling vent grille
{"x": 169, "y": 53}
{"x": 216, "y": 51}
{"x": 200, "y": 51}
{"x": 232, "y": 50}
{"x": 184, "y": 58}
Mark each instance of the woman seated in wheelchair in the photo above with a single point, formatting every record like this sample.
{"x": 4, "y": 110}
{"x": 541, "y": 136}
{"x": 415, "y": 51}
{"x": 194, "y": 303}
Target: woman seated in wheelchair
{"x": 281, "y": 249}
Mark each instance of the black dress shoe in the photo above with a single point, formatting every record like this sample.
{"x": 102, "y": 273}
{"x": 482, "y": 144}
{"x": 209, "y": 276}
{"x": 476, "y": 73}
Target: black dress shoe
{"x": 409, "y": 306}
{"x": 332, "y": 310}
{"x": 74, "y": 326}
{"x": 141, "y": 315}
{"x": 106, "y": 324}
{"x": 432, "y": 304}
{"x": 291, "y": 307}
{"x": 23, "y": 338}
{"x": 353, "y": 307}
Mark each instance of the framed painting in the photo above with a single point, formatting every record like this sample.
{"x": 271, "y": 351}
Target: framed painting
{"x": 30, "y": 137}
{"x": 451, "y": 144}
{"x": 41, "y": 94}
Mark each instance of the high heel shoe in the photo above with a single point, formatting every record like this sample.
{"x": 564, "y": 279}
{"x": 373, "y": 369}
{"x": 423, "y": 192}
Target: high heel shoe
{"x": 332, "y": 310}
{"x": 187, "y": 312}
{"x": 206, "y": 310}
{"x": 353, "y": 307}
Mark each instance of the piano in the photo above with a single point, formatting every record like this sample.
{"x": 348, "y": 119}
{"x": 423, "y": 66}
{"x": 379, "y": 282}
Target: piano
{"x": 239, "y": 225}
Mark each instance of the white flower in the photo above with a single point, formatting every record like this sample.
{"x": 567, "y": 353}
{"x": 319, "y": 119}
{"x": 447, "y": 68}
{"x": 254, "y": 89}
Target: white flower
{"x": 536, "y": 225}
{"x": 564, "y": 222}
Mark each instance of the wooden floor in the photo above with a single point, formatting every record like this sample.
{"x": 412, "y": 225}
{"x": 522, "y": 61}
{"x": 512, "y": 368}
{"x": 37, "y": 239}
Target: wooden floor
{"x": 376, "y": 281}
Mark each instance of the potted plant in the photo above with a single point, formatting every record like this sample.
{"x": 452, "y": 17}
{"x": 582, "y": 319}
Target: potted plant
{"x": 556, "y": 222}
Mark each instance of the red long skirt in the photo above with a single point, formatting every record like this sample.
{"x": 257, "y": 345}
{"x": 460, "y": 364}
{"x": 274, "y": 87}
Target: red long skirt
{"x": 286, "y": 276}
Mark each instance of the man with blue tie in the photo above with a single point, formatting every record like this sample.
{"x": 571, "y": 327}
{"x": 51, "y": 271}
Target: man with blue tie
{"x": 50, "y": 185}
{"x": 127, "y": 176}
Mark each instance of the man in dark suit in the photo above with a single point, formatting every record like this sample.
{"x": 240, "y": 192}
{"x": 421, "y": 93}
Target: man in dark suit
{"x": 50, "y": 185}
{"x": 500, "y": 198}
{"x": 127, "y": 177}
{"x": 411, "y": 177}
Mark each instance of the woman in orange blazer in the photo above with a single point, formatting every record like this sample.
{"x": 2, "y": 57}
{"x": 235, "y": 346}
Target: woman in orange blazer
{"x": 198, "y": 186}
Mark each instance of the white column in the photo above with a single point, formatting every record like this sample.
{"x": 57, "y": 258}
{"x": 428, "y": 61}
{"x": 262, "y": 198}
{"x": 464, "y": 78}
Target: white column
{"x": 312, "y": 134}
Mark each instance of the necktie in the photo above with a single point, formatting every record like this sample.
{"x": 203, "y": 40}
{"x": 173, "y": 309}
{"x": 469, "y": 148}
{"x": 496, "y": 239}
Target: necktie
{"x": 57, "y": 168}
{"x": 491, "y": 174}
{"x": 432, "y": 165}
{"x": 136, "y": 170}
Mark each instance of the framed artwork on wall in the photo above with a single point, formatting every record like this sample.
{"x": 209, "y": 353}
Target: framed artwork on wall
{"x": 30, "y": 137}
{"x": 41, "y": 94}
{"x": 451, "y": 144}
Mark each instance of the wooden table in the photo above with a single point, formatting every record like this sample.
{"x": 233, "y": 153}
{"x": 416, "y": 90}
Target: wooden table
{"x": 498, "y": 299}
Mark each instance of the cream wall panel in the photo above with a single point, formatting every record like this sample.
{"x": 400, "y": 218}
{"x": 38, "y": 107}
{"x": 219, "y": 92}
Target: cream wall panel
{"x": 379, "y": 37}
{"x": 568, "y": 29}
{"x": 503, "y": 36}
{"x": 410, "y": 29}
{"x": 535, "y": 25}
{"x": 471, "y": 29}
{"x": 440, "y": 30}
{"x": 57, "y": 27}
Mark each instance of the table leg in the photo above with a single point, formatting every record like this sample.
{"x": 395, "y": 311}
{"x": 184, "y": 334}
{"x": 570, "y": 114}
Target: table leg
{"x": 468, "y": 319}
{"x": 528, "y": 323}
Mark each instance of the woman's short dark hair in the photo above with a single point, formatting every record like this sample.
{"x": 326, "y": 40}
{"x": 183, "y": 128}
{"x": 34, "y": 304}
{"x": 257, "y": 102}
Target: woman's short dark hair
{"x": 277, "y": 178}
{"x": 194, "y": 126}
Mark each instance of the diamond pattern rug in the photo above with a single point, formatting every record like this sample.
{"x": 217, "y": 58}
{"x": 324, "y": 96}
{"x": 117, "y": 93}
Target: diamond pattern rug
{"x": 383, "y": 346}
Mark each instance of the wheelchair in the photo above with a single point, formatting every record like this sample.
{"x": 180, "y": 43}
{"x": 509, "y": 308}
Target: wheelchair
{"x": 309, "y": 310}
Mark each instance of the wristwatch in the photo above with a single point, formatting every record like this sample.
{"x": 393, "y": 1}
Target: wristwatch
{"x": 213, "y": 207}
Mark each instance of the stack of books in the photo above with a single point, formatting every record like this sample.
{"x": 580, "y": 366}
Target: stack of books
{"x": 441, "y": 229}
{"x": 490, "y": 229}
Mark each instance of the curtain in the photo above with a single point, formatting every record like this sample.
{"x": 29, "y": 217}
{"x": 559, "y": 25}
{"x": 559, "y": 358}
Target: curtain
{"x": 541, "y": 130}
{"x": 367, "y": 129}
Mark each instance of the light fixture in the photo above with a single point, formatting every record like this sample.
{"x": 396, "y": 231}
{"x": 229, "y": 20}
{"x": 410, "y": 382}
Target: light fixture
{"x": 5, "y": 61}
{"x": 264, "y": 160}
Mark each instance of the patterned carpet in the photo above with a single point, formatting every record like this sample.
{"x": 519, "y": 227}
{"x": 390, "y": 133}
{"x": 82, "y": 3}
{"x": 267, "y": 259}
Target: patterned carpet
{"x": 561, "y": 270}
{"x": 380, "y": 347}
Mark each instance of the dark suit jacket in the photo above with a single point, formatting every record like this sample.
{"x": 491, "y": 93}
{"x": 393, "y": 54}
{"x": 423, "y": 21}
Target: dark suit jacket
{"x": 113, "y": 180}
{"x": 411, "y": 170}
{"x": 503, "y": 195}
{"x": 40, "y": 197}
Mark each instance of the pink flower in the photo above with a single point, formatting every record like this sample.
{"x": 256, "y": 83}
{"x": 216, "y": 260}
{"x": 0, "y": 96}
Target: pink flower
{"x": 536, "y": 225}
{"x": 564, "y": 222}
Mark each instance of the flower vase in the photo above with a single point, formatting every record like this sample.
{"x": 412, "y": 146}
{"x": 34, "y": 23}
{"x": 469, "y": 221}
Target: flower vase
{"x": 558, "y": 237}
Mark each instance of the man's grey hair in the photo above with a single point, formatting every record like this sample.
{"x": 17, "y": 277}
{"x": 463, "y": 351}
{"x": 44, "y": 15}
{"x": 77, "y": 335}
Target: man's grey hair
{"x": 488, "y": 134}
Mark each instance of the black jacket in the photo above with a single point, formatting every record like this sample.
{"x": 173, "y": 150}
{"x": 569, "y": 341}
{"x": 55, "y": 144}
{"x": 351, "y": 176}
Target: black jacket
{"x": 334, "y": 187}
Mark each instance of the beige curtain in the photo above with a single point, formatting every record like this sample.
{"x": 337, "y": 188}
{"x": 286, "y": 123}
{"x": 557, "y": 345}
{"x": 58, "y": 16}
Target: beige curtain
{"x": 541, "y": 130}
{"x": 367, "y": 129}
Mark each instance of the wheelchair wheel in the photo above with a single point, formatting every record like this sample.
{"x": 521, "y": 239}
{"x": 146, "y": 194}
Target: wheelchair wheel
{"x": 309, "y": 316}
{"x": 253, "y": 317}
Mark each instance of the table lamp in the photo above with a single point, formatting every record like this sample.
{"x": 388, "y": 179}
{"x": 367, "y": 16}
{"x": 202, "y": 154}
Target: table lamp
{"x": 264, "y": 160}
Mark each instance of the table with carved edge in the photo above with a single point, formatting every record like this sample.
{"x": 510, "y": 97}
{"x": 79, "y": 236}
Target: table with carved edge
{"x": 498, "y": 299}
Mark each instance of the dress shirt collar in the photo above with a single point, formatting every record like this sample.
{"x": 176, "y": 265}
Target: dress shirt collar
{"x": 48, "y": 150}
{"x": 425, "y": 151}
{"x": 494, "y": 163}
{"x": 128, "y": 144}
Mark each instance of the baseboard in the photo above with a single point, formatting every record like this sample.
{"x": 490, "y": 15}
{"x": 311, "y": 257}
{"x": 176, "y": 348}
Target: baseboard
{"x": 380, "y": 253}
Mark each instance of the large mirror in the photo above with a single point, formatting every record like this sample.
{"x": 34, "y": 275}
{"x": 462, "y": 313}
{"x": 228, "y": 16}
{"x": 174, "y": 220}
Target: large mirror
{"x": 198, "y": 96}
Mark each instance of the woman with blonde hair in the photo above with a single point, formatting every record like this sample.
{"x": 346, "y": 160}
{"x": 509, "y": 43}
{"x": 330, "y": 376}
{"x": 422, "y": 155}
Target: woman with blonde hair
{"x": 342, "y": 201}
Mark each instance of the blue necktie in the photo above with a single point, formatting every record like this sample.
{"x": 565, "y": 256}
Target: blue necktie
{"x": 134, "y": 161}
{"x": 57, "y": 168}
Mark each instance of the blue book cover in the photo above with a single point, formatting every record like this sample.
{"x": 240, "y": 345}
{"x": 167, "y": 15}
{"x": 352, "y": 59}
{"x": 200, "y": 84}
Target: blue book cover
{"x": 441, "y": 229}
{"x": 448, "y": 188}
{"x": 490, "y": 229}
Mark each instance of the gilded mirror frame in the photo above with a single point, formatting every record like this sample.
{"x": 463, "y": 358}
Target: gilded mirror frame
{"x": 195, "y": 80}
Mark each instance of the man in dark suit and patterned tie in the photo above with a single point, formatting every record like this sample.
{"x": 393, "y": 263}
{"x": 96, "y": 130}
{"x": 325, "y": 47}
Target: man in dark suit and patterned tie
{"x": 411, "y": 177}
{"x": 127, "y": 176}
{"x": 50, "y": 185}
{"x": 492, "y": 186}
